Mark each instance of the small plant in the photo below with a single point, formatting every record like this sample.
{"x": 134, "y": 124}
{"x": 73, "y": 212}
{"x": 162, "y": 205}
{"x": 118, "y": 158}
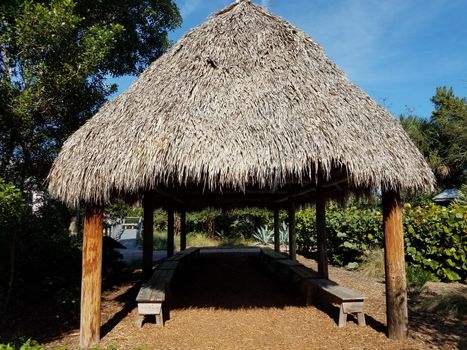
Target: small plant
{"x": 417, "y": 277}
{"x": 372, "y": 264}
{"x": 263, "y": 235}
{"x": 284, "y": 234}
{"x": 27, "y": 345}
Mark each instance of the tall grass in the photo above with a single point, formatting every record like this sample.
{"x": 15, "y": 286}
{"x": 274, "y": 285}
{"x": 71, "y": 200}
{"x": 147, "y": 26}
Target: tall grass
{"x": 372, "y": 264}
{"x": 446, "y": 304}
{"x": 200, "y": 239}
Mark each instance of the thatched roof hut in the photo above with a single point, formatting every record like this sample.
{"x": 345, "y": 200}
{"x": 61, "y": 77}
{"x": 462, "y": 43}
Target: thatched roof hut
{"x": 245, "y": 109}
{"x": 245, "y": 100}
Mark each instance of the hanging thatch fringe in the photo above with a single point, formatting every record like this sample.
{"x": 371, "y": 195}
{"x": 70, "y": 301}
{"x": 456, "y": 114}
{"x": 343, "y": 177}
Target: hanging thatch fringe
{"x": 243, "y": 99}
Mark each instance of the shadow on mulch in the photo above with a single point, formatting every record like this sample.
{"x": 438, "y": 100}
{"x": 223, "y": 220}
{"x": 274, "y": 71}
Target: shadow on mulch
{"x": 47, "y": 318}
{"x": 230, "y": 281}
{"x": 438, "y": 329}
{"x": 128, "y": 301}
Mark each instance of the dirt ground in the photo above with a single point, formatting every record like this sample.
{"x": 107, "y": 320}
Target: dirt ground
{"x": 227, "y": 301}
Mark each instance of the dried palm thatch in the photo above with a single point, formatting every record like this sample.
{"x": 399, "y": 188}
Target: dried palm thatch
{"x": 245, "y": 99}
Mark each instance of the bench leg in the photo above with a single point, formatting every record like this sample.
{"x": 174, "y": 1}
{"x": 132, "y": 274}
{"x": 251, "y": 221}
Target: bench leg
{"x": 165, "y": 311}
{"x": 342, "y": 317}
{"x": 310, "y": 292}
{"x": 361, "y": 319}
{"x": 139, "y": 321}
{"x": 160, "y": 319}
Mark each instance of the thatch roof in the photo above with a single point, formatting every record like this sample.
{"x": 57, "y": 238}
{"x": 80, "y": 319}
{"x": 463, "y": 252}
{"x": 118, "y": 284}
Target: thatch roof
{"x": 244, "y": 99}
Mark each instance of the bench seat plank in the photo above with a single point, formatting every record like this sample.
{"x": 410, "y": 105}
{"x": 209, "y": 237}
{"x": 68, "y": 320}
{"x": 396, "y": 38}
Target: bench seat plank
{"x": 289, "y": 263}
{"x": 339, "y": 292}
{"x": 183, "y": 254}
{"x": 271, "y": 254}
{"x": 304, "y": 272}
{"x": 168, "y": 265}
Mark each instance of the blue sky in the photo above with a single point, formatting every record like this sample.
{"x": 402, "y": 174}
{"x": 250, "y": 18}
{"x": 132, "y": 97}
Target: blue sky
{"x": 398, "y": 51}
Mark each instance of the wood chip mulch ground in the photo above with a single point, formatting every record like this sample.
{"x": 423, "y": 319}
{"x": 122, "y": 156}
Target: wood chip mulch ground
{"x": 227, "y": 301}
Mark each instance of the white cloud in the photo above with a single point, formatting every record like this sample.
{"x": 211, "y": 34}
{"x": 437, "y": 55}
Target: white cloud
{"x": 266, "y": 4}
{"x": 364, "y": 36}
{"x": 188, "y": 7}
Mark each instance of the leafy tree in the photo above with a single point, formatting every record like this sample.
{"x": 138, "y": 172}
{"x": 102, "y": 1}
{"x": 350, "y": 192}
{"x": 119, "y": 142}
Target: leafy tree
{"x": 450, "y": 119}
{"x": 443, "y": 138}
{"x": 11, "y": 213}
{"x": 55, "y": 56}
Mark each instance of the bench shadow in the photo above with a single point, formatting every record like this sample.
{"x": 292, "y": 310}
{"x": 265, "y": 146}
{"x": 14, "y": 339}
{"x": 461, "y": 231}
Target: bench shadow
{"x": 230, "y": 281}
{"x": 128, "y": 302}
{"x": 333, "y": 312}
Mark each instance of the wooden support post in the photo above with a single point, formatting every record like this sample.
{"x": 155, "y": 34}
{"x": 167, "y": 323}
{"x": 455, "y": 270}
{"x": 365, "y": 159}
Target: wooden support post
{"x": 277, "y": 240}
{"x": 183, "y": 229}
{"x": 396, "y": 288}
{"x": 292, "y": 235}
{"x": 148, "y": 234}
{"x": 170, "y": 231}
{"x": 91, "y": 282}
{"x": 321, "y": 232}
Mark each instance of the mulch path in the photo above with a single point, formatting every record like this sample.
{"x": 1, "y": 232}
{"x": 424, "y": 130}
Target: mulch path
{"x": 226, "y": 301}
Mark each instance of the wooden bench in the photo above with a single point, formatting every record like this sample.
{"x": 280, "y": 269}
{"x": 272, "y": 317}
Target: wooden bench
{"x": 268, "y": 257}
{"x": 267, "y": 254}
{"x": 348, "y": 300}
{"x": 154, "y": 295}
{"x": 185, "y": 257}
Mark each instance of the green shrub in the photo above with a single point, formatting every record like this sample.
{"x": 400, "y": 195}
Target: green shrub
{"x": 417, "y": 277}
{"x": 351, "y": 232}
{"x": 26, "y": 345}
{"x": 236, "y": 223}
{"x": 435, "y": 236}
{"x": 436, "y": 240}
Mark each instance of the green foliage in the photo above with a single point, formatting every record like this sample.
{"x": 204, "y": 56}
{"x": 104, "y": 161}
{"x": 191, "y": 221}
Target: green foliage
{"x": 443, "y": 138}
{"x": 351, "y": 232}
{"x": 26, "y": 345}
{"x": 305, "y": 229}
{"x": 234, "y": 223}
{"x": 284, "y": 234}
{"x": 11, "y": 206}
{"x": 36, "y": 250}
{"x": 435, "y": 237}
{"x": 120, "y": 209}
{"x": 417, "y": 277}
{"x": 462, "y": 199}
{"x": 263, "y": 235}
{"x": 55, "y": 57}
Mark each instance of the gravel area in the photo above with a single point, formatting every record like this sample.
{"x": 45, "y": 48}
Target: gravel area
{"x": 227, "y": 301}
